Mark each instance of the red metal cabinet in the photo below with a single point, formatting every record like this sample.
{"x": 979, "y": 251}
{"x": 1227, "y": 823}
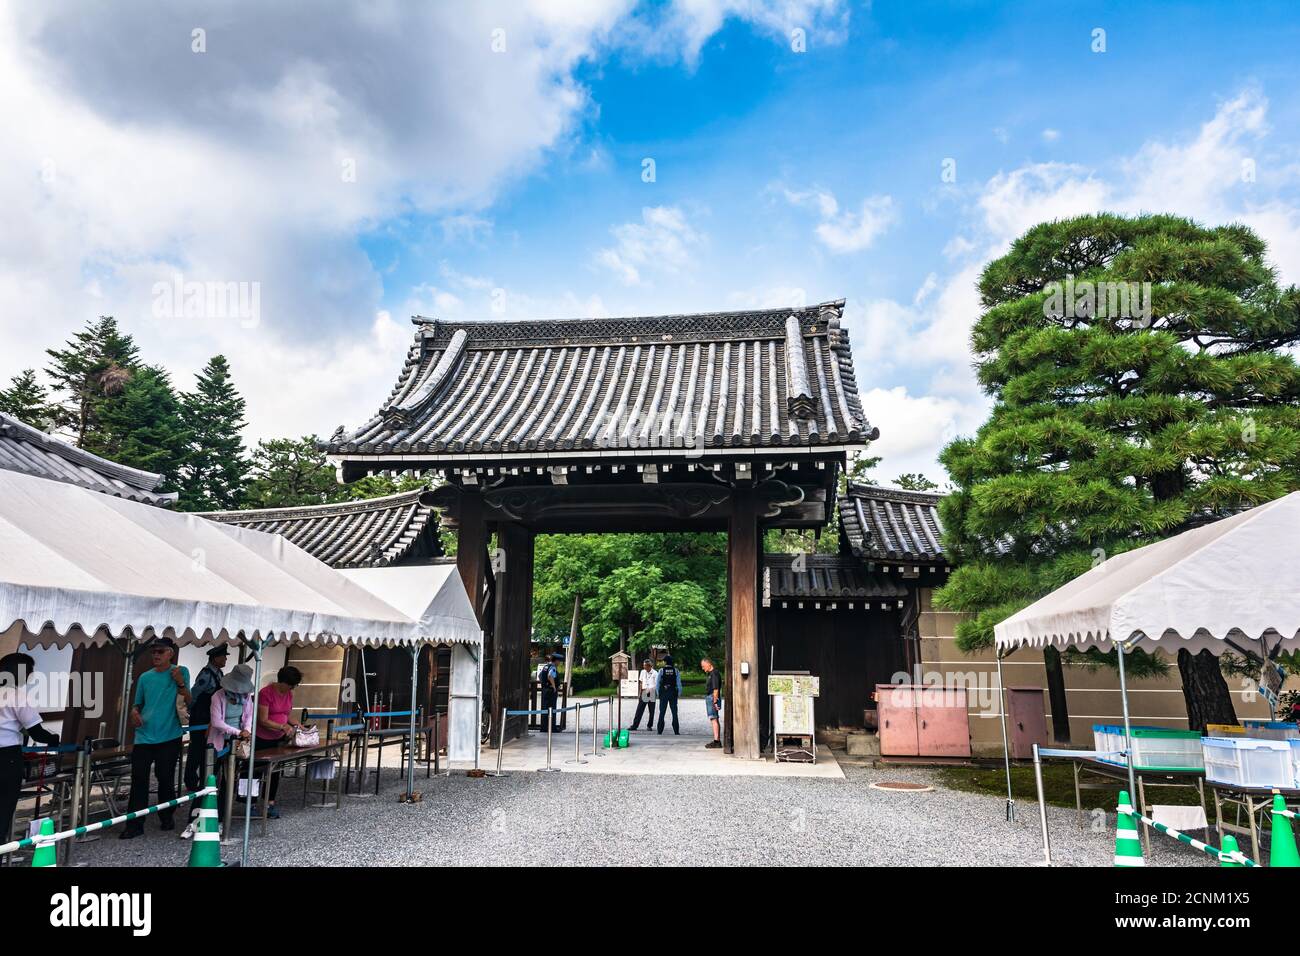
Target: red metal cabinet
{"x": 897, "y": 713}
{"x": 923, "y": 721}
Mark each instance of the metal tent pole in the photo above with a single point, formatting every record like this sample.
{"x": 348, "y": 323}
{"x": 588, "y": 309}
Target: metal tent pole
{"x": 1006, "y": 750}
{"x": 1128, "y": 734}
{"x": 478, "y": 708}
{"x": 410, "y": 754}
{"x": 1042, "y": 805}
{"x": 252, "y": 750}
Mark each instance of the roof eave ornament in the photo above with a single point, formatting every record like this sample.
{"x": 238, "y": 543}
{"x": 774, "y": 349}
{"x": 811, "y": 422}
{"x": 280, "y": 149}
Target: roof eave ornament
{"x": 404, "y": 413}
{"x": 800, "y": 401}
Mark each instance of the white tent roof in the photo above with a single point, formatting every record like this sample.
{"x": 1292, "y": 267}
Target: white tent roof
{"x": 432, "y": 594}
{"x": 1235, "y": 580}
{"x": 78, "y": 567}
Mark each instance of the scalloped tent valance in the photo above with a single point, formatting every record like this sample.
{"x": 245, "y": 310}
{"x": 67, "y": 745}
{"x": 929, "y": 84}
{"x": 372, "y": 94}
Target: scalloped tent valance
{"x": 77, "y": 567}
{"x": 1223, "y": 587}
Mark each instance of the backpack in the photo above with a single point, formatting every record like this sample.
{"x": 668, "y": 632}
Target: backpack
{"x": 668, "y": 681}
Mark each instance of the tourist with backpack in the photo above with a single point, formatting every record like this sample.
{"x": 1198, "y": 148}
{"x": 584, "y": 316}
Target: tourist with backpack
{"x": 205, "y": 685}
{"x": 550, "y": 689}
{"x": 668, "y": 689}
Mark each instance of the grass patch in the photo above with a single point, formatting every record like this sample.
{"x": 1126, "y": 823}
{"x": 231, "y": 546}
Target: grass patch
{"x": 1058, "y": 786}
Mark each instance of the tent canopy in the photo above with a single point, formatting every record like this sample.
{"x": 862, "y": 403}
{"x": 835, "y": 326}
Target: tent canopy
{"x": 431, "y": 594}
{"x": 78, "y": 567}
{"x": 1235, "y": 581}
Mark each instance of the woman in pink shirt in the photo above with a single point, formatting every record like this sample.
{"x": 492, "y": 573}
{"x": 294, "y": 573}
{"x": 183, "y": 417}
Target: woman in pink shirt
{"x": 231, "y": 716}
{"x": 274, "y": 705}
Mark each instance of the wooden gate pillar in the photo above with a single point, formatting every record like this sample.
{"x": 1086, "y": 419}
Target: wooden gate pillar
{"x": 471, "y": 550}
{"x": 744, "y": 695}
{"x": 513, "y": 568}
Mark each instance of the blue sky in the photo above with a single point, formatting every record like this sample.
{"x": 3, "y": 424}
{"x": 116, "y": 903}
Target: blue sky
{"x": 509, "y": 183}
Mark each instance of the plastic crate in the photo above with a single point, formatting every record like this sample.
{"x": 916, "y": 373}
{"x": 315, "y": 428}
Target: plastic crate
{"x": 1250, "y": 762}
{"x": 1271, "y": 729}
{"x": 1154, "y": 748}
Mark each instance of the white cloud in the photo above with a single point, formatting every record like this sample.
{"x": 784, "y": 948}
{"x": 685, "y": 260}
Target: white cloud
{"x": 662, "y": 242}
{"x": 844, "y": 231}
{"x": 914, "y": 428}
{"x": 128, "y": 158}
{"x": 683, "y": 27}
{"x": 1051, "y": 135}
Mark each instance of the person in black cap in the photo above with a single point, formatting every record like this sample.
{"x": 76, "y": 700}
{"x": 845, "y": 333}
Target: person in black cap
{"x": 205, "y": 685}
{"x": 157, "y": 734}
{"x": 550, "y": 689}
{"x": 668, "y": 690}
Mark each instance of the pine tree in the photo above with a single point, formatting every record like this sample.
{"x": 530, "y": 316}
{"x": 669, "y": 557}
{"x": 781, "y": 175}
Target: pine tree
{"x": 1123, "y": 413}
{"x": 214, "y": 475}
{"x": 143, "y": 428}
{"x": 287, "y": 472}
{"x": 89, "y": 374}
{"x": 26, "y": 400}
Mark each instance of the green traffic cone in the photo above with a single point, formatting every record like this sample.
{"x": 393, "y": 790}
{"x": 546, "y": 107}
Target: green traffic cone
{"x": 1128, "y": 847}
{"x": 45, "y": 854}
{"x": 1229, "y": 846}
{"x": 205, "y": 850}
{"x": 1282, "y": 848}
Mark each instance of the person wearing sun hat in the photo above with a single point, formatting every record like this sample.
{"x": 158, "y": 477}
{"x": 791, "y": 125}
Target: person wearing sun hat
{"x": 231, "y": 717}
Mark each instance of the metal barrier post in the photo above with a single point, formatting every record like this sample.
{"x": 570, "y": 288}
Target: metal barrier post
{"x": 501, "y": 743}
{"x": 550, "y": 727}
{"x": 577, "y": 736}
{"x": 595, "y": 729}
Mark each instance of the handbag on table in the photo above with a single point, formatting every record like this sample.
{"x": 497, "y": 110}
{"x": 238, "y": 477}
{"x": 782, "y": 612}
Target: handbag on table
{"x": 306, "y": 737}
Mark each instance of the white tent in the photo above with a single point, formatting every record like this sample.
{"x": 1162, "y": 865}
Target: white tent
{"x": 1230, "y": 586}
{"x": 1233, "y": 582}
{"x": 78, "y": 567}
{"x": 434, "y": 595}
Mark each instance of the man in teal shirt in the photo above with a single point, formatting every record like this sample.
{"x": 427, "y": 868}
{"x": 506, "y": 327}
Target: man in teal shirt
{"x": 157, "y": 734}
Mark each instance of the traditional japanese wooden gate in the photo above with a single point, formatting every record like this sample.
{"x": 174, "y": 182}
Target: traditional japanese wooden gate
{"x": 733, "y": 422}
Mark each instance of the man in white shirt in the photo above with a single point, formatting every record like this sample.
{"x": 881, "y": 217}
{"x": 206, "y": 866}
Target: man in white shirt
{"x": 17, "y": 718}
{"x": 649, "y": 678}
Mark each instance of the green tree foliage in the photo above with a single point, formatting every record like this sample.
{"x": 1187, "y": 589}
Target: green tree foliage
{"x": 215, "y": 471}
{"x": 1115, "y": 426}
{"x": 88, "y": 374}
{"x": 915, "y": 482}
{"x": 143, "y": 427}
{"x": 27, "y": 400}
{"x": 643, "y": 589}
{"x": 289, "y": 472}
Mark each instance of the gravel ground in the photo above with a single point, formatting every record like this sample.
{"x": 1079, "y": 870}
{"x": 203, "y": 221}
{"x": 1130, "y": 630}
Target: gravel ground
{"x": 565, "y": 819}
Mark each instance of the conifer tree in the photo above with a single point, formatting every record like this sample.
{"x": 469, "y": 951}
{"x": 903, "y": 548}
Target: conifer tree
{"x": 143, "y": 428}
{"x": 90, "y": 372}
{"x": 215, "y": 472}
{"x": 1123, "y": 412}
{"x": 26, "y": 400}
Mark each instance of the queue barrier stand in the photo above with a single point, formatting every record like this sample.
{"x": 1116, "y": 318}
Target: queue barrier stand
{"x": 1128, "y": 849}
{"x": 46, "y": 839}
{"x": 1282, "y": 846}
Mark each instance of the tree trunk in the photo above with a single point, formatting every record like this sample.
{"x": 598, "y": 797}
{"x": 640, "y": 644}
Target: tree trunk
{"x": 1056, "y": 695}
{"x": 1204, "y": 690}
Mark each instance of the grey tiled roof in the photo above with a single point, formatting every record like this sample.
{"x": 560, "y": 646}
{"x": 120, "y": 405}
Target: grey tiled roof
{"x": 372, "y": 533}
{"x": 887, "y": 524}
{"x": 717, "y": 381}
{"x": 31, "y": 451}
{"x": 826, "y": 577}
